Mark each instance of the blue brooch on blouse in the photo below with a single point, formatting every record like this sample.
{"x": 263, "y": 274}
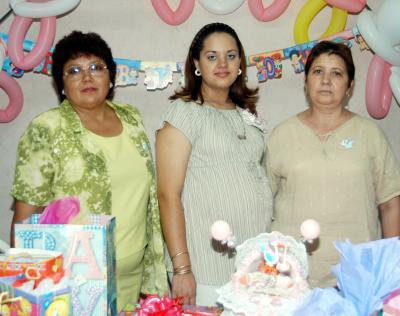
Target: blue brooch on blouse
{"x": 347, "y": 143}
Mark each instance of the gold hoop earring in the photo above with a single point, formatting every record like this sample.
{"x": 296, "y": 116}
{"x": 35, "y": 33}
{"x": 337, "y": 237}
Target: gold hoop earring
{"x": 197, "y": 73}
{"x": 239, "y": 72}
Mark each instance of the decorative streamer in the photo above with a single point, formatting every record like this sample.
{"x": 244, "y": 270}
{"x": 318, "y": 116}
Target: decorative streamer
{"x": 269, "y": 64}
{"x": 159, "y": 74}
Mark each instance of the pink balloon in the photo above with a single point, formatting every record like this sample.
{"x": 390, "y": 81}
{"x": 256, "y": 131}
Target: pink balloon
{"x": 179, "y": 16}
{"x": 352, "y": 6}
{"x": 378, "y": 94}
{"x": 17, "y": 33}
{"x": 271, "y": 12}
{"x": 15, "y": 95}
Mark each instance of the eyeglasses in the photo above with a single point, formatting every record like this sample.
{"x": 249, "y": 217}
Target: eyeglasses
{"x": 76, "y": 72}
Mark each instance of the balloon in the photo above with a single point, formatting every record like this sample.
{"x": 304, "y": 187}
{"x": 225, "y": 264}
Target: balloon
{"x": 381, "y": 31}
{"x": 42, "y": 10}
{"x": 17, "y": 33}
{"x": 179, "y": 16}
{"x": 16, "y": 99}
{"x": 221, "y": 7}
{"x": 352, "y": 6}
{"x": 395, "y": 82}
{"x": 310, "y": 229}
{"x": 378, "y": 95}
{"x": 271, "y": 12}
{"x": 307, "y": 14}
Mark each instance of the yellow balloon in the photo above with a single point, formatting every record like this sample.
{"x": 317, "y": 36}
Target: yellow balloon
{"x": 308, "y": 13}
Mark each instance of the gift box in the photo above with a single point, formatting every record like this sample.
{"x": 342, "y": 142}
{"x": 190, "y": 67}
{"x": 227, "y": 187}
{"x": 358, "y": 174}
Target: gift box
{"x": 89, "y": 259}
{"x": 32, "y": 282}
{"x": 391, "y": 304}
{"x": 194, "y": 310}
{"x": 153, "y": 305}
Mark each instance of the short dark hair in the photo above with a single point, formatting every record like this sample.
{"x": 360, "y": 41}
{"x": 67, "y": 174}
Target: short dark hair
{"x": 331, "y": 48}
{"x": 77, "y": 44}
{"x": 239, "y": 93}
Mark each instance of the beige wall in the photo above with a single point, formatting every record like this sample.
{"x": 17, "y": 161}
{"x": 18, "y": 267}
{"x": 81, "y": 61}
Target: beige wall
{"x": 134, "y": 31}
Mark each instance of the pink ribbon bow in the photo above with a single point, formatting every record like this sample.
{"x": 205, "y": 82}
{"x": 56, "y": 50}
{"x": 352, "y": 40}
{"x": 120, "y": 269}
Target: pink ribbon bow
{"x": 156, "y": 306}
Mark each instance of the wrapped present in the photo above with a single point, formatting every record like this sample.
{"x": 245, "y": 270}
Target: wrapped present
{"x": 391, "y": 304}
{"x": 32, "y": 282}
{"x": 153, "y": 305}
{"x": 194, "y": 310}
{"x": 16, "y": 261}
{"x": 89, "y": 259}
{"x": 366, "y": 275}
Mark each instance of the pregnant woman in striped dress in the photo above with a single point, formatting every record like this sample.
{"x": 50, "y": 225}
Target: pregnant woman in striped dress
{"x": 210, "y": 151}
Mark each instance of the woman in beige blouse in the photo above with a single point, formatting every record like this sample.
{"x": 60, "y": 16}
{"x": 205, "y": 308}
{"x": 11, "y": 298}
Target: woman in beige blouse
{"x": 333, "y": 165}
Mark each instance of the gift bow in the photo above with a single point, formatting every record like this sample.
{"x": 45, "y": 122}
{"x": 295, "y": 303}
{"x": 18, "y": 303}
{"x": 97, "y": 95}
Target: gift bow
{"x": 156, "y": 306}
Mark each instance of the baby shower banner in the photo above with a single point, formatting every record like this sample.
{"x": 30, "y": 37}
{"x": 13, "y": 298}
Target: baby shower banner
{"x": 159, "y": 74}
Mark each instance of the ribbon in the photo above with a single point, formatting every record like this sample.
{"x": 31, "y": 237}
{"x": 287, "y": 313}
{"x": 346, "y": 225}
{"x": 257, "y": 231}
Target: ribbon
{"x": 153, "y": 305}
{"x": 5, "y": 299}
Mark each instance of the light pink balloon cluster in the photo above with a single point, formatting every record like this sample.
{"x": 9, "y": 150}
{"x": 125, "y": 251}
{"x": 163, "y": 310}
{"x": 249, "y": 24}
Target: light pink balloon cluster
{"x": 26, "y": 12}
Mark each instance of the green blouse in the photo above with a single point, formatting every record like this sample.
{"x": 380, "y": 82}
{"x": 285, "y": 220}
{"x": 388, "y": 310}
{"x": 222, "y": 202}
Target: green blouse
{"x": 57, "y": 158}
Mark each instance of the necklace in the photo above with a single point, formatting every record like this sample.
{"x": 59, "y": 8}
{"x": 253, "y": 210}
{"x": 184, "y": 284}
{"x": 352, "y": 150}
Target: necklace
{"x": 240, "y": 136}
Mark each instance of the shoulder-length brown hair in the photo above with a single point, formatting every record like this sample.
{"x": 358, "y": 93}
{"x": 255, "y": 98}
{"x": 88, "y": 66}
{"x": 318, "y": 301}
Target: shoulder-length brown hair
{"x": 239, "y": 93}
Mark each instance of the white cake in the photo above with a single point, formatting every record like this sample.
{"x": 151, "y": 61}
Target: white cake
{"x": 270, "y": 277}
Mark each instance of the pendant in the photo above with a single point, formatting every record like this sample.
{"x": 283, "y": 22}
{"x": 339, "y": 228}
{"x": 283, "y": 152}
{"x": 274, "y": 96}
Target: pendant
{"x": 241, "y": 137}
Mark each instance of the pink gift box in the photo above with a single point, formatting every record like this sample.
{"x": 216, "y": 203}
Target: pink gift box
{"x": 391, "y": 304}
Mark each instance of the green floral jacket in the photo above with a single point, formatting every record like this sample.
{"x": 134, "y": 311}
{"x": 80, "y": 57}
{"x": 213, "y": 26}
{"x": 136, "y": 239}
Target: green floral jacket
{"x": 56, "y": 158}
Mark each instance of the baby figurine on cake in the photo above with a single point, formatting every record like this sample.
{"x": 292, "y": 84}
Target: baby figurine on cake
{"x": 271, "y": 272}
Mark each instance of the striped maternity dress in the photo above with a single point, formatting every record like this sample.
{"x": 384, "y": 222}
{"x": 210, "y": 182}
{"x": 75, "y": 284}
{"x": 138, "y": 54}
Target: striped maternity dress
{"x": 225, "y": 180}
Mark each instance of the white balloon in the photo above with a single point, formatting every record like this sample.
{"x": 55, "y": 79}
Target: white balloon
{"x": 221, "y": 7}
{"x": 394, "y": 82}
{"x": 42, "y": 10}
{"x": 381, "y": 30}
